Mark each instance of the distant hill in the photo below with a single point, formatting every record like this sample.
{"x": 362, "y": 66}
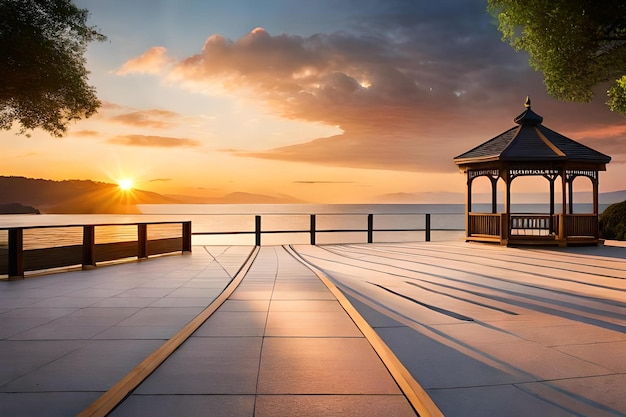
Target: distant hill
{"x": 612, "y": 197}
{"x": 16, "y": 208}
{"x": 75, "y": 196}
{"x": 90, "y": 197}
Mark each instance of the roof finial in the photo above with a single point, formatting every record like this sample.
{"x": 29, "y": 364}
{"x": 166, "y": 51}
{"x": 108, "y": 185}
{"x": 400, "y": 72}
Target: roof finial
{"x": 528, "y": 117}
{"x": 527, "y": 102}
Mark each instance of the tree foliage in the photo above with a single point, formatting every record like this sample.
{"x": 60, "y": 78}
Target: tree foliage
{"x": 43, "y": 79}
{"x": 577, "y": 44}
{"x": 613, "y": 222}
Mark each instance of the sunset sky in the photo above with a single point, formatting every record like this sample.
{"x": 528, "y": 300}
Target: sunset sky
{"x": 328, "y": 101}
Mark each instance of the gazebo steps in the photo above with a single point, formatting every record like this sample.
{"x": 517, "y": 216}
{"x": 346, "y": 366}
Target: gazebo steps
{"x": 583, "y": 241}
{"x": 521, "y": 240}
{"x": 483, "y": 238}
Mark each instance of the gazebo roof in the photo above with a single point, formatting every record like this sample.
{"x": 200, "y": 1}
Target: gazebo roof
{"x": 531, "y": 142}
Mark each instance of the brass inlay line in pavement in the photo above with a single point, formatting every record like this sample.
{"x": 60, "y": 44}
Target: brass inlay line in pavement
{"x": 412, "y": 390}
{"x": 116, "y": 394}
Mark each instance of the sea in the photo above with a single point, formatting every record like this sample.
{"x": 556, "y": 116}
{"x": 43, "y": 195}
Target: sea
{"x": 447, "y": 222}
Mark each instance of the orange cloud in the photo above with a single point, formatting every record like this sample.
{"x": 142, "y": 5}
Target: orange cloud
{"x": 403, "y": 101}
{"x": 153, "y": 141}
{"x": 602, "y": 132}
{"x": 153, "y": 61}
{"x": 86, "y": 133}
{"x": 608, "y": 139}
{"x": 107, "y": 105}
{"x": 362, "y": 151}
{"x": 155, "y": 118}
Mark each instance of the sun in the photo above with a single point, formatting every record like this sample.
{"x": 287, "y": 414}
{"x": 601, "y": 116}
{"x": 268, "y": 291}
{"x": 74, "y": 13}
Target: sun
{"x": 126, "y": 184}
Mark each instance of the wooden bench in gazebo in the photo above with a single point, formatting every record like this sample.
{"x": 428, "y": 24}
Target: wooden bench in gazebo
{"x": 531, "y": 149}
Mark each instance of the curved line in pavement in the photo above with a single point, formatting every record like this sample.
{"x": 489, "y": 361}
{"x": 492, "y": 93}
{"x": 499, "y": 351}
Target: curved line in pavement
{"x": 118, "y": 392}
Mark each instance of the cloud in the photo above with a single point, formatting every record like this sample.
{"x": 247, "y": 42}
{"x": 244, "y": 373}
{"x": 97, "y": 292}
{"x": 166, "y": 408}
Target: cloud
{"x": 153, "y": 141}
{"x": 154, "y": 118}
{"x": 612, "y": 146}
{"x": 143, "y": 118}
{"x": 410, "y": 84}
{"x": 392, "y": 111}
{"x": 602, "y": 132}
{"x": 398, "y": 153}
{"x": 108, "y": 106}
{"x": 86, "y": 133}
{"x": 153, "y": 61}
{"x": 160, "y": 180}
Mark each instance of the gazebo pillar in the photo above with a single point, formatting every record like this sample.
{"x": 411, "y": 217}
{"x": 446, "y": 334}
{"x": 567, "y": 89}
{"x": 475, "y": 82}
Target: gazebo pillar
{"x": 551, "y": 179}
{"x": 505, "y": 223}
{"x": 494, "y": 194}
{"x": 594, "y": 182}
{"x": 561, "y": 235}
{"x": 570, "y": 194}
{"x": 468, "y": 204}
{"x": 507, "y": 192}
{"x": 563, "y": 192}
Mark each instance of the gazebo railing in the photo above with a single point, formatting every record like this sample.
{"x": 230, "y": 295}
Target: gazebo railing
{"x": 487, "y": 224}
{"x": 542, "y": 226}
{"x": 531, "y": 224}
{"x": 580, "y": 225}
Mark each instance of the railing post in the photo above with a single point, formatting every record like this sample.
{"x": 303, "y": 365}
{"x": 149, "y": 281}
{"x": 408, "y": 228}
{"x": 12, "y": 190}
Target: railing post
{"x": 562, "y": 236}
{"x": 505, "y": 228}
{"x": 89, "y": 246}
{"x": 257, "y": 229}
{"x": 186, "y": 237}
{"x": 142, "y": 240}
{"x": 427, "y": 226}
{"x": 16, "y": 253}
{"x": 312, "y": 231}
{"x": 370, "y": 228}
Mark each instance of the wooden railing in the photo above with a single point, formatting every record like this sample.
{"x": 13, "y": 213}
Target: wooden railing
{"x": 487, "y": 224}
{"x": 78, "y": 245}
{"x": 530, "y": 224}
{"x": 542, "y": 226}
{"x": 581, "y": 225}
{"x": 30, "y": 249}
{"x": 313, "y": 231}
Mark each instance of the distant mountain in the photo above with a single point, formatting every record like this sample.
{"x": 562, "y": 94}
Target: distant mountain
{"x": 75, "y": 196}
{"x": 612, "y": 197}
{"x": 16, "y": 208}
{"x": 86, "y": 196}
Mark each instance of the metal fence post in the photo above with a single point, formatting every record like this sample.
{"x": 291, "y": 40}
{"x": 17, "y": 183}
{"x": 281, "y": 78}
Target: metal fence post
{"x": 370, "y": 228}
{"x": 257, "y": 229}
{"x": 186, "y": 237}
{"x": 312, "y": 231}
{"x": 427, "y": 227}
{"x": 89, "y": 246}
{"x": 142, "y": 240}
{"x": 16, "y": 253}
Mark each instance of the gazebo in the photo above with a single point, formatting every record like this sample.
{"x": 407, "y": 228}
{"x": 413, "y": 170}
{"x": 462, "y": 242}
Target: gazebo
{"x": 531, "y": 149}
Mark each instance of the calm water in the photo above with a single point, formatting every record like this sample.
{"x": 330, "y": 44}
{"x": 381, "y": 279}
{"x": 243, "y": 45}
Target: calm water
{"x": 241, "y": 217}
